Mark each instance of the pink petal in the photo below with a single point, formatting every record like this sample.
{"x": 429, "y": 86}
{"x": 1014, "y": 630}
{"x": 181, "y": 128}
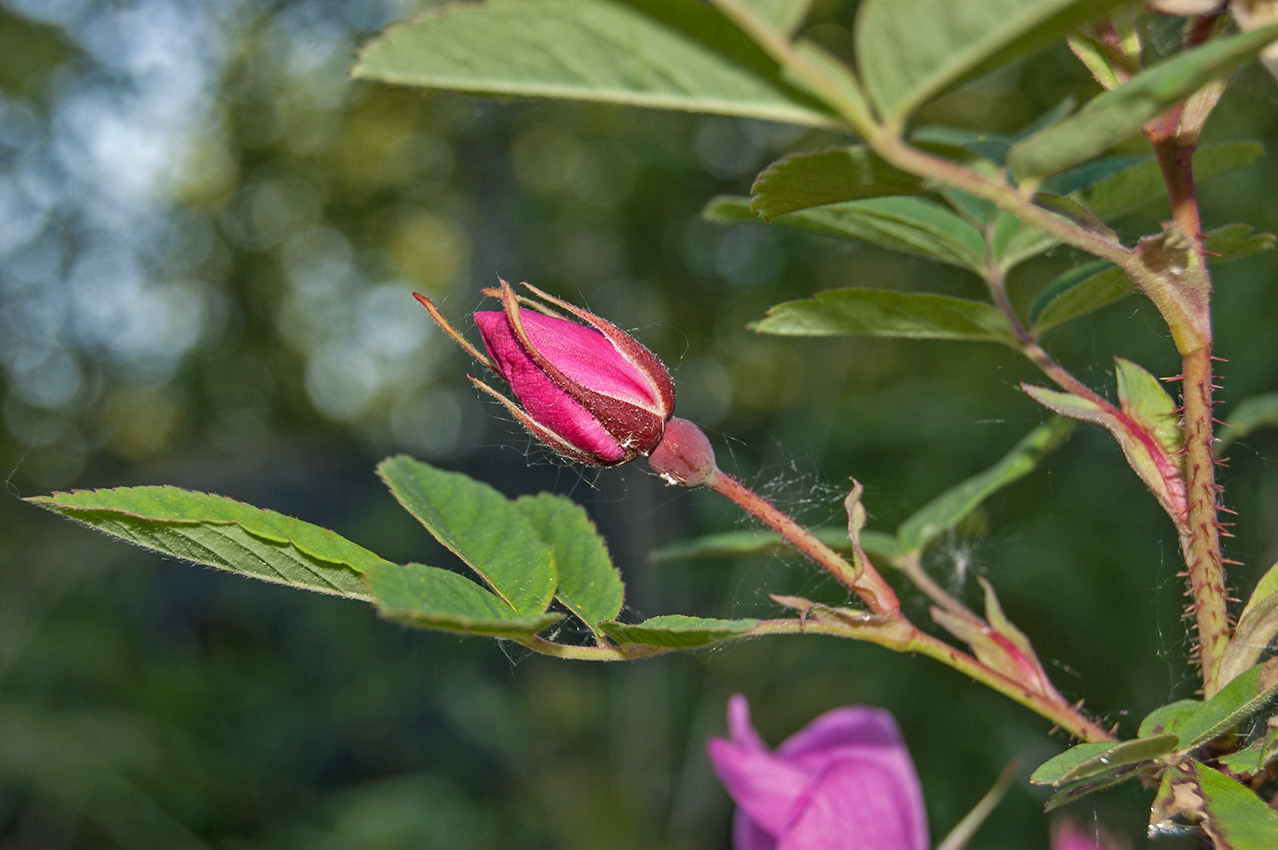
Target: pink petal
{"x": 763, "y": 786}
{"x": 543, "y": 400}
{"x": 746, "y": 834}
{"x": 853, "y": 805}
{"x": 869, "y": 736}
{"x": 586, "y": 356}
{"x": 1066, "y": 836}
{"x": 739, "y": 725}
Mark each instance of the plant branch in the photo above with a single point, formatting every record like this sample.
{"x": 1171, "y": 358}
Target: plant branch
{"x": 861, "y": 578}
{"x": 902, "y": 636}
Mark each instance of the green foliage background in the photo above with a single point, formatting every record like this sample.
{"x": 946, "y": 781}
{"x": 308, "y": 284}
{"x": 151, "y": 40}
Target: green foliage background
{"x": 149, "y": 704}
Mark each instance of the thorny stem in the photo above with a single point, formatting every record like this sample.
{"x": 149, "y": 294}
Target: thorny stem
{"x": 863, "y": 579}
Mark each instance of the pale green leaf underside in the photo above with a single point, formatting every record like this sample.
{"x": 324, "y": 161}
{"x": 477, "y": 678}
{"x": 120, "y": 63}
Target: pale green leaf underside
{"x": 480, "y": 526}
{"x": 910, "y": 50}
{"x": 948, "y": 509}
{"x": 438, "y": 599}
{"x": 1116, "y": 114}
{"x": 221, "y": 532}
{"x": 1051, "y": 771}
{"x": 1119, "y": 756}
{"x": 1257, "y": 626}
{"x": 589, "y": 585}
{"x": 676, "y": 631}
{"x": 781, "y": 16}
{"x": 1236, "y": 818}
{"x": 907, "y": 224}
{"x": 1259, "y": 411}
{"x": 663, "y": 54}
{"x": 880, "y": 312}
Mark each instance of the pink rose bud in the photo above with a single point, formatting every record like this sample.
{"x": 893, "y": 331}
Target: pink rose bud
{"x": 843, "y": 782}
{"x": 589, "y": 391}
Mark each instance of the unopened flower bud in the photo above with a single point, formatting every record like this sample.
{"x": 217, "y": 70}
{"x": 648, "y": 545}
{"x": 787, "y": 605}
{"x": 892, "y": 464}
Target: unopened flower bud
{"x": 684, "y": 456}
{"x": 591, "y": 392}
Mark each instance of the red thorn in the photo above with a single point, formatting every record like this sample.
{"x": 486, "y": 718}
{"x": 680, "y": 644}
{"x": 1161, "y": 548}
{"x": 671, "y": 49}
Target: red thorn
{"x": 1230, "y": 511}
{"x": 1232, "y": 562}
{"x": 1220, "y": 359}
{"x": 1173, "y": 378}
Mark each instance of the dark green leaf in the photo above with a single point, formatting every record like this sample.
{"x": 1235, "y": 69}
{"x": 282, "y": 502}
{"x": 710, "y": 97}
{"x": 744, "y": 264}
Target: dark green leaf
{"x": 808, "y": 180}
{"x": 1114, "y": 115}
{"x": 1110, "y": 187}
{"x": 1077, "y": 292}
{"x": 881, "y": 312}
{"x": 589, "y": 585}
{"x": 439, "y": 599}
{"x": 1119, "y": 757}
{"x": 1236, "y": 702}
{"x": 663, "y": 54}
{"x": 948, "y": 509}
{"x": 1234, "y": 241}
{"x": 752, "y": 542}
{"x": 224, "y": 533}
{"x": 910, "y": 50}
{"x": 1236, "y": 818}
{"x": 480, "y": 526}
{"x": 675, "y": 631}
{"x": 1051, "y": 771}
{"x": 1255, "y": 758}
{"x": 1075, "y": 790}
{"x": 1142, "y": 182}
{"x": 1259, "y": 411}
{"x": 1156, "y": 722}
{"x": 911, "y": 225}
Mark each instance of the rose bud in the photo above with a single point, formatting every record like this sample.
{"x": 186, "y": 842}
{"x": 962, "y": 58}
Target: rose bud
{"x": 589, "y": 391}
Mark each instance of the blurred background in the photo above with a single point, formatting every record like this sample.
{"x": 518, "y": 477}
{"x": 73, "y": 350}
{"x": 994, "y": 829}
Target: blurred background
{"x": 208, "y": 241}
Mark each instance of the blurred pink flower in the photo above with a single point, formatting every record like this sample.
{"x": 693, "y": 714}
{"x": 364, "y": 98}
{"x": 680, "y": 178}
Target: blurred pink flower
{"x": 843, "y": 782}
{"x": 589, "y": 391}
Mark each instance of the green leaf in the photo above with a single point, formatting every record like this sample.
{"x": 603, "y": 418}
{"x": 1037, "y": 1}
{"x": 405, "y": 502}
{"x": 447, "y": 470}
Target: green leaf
{"x": 1076, "y": 790}
{"x": 881, "y": 312}
{"x": 1077, "y": 292}
{"x": 676, "y": 631}
{"x": 1111, "y": 187}
{"x": 438, "y": 599}
{"x": 1116, "y": 114}
{"x": 1157, "y": 721}
{"x": 480, "y": 526}
{"x": 221, "y": 532}
{"x": 1255, "y": 758}
{"x": 910, "y": 50}
{"x": 1156, "y": 467}
{"x": 1259, "y": 411}
{"x": 1257, "y": 626}
{"x": 949, "y": 508}
{"x": 1143, "y": 398}
{"x": 1236, "y": 819}
{"x": 1142, "y": 182}
{"x": 1234, "y": 241}
{"x": 1121, "y": 757}
{"x": 730, "y": 544}
{"x": 589, "y": 585}
{"x": 801, "y": 181}
{"x": 781, "y": 16}
{"x": 662, "y": 54}
{"x": 910, "y": 225}
{"x": 1235, "y": 703}
{"x": 1051, "y": 771}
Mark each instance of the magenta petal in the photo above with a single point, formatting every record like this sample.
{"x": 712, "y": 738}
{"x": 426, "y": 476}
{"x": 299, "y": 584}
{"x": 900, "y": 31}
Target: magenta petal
{"x": 540, "y": 397}
{"x": 586, "y": 356}
{"x": 765, "y": 787}
{"x": 1066, "y": 836}
{"x": 870, "y": 736}
{"x": 746, "y": 834}
{"x": 853, "y": 805}
{"x": 739, "y": 725}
